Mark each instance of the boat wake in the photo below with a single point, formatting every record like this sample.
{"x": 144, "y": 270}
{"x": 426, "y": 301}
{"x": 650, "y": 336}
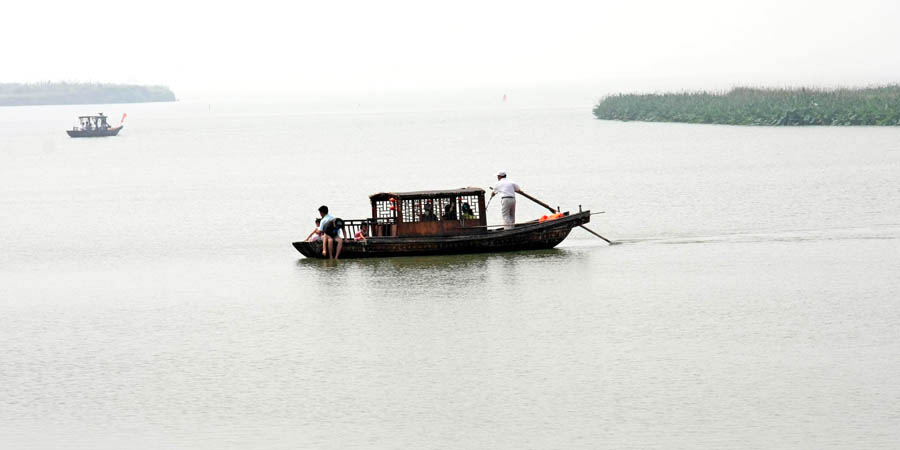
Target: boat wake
{"x": 882, "y": 232}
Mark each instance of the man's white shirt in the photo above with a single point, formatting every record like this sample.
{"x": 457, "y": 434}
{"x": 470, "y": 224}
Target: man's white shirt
{"x": 506, "y": 188}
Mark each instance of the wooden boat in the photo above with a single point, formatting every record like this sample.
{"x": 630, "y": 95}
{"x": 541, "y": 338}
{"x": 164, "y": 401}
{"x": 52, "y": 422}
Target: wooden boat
{"x": 94, "y": 126}
{"x": 441, "y": 223}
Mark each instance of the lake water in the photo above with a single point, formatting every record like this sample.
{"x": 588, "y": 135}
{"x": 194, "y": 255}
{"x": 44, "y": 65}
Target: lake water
{"x": 150, "y": 297}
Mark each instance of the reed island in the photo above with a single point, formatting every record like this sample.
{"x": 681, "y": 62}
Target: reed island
{"x": 50, "y": 93}
{"x": 757, "y": 106}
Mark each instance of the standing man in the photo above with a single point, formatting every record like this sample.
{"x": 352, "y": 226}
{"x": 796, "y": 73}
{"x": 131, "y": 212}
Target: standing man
{"x": 507, "y": 190}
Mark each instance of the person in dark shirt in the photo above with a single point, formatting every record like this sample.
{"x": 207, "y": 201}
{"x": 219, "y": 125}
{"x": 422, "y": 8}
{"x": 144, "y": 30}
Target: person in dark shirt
{"x": 450, "y": 211}
{"x": 428, "y": 215}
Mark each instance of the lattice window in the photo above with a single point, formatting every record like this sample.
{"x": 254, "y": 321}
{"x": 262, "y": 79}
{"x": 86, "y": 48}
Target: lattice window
{"x": 415, "y": 210}
{"x": 441, "y": 208}
{"x": 385, "y": 209}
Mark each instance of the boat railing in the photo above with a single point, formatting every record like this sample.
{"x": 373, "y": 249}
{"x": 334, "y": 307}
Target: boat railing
{"x": 383, "y": 226}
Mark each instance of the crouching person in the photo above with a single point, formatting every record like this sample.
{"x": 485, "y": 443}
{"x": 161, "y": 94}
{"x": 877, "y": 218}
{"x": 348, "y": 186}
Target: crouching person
{"x": 360, "y": 235}
{"x": 315, "y": 235}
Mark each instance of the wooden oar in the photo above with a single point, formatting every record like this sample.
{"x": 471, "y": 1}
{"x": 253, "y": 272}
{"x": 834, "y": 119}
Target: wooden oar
{"x": 555, "y": 211}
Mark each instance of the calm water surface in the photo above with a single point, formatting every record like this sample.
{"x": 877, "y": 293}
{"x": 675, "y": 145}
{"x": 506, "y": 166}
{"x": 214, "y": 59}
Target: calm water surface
{"x": 150, "y": 297}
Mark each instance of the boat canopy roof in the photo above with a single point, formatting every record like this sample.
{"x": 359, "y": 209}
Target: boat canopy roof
{"x": 92, "y": 117}
{"x": 427, "y": 194}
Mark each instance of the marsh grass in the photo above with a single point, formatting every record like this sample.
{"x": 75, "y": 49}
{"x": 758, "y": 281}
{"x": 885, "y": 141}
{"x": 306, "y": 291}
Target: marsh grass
{"x": 755, "y": 106}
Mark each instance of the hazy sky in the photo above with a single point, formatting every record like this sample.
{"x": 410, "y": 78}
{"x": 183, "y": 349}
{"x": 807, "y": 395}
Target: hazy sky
{"x": 390, "y": 45}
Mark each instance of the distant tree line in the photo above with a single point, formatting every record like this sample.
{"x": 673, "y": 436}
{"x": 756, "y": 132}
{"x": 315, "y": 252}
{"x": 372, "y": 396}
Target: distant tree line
{"x": 752, "y": 106}
{"x": 50, "y": 93}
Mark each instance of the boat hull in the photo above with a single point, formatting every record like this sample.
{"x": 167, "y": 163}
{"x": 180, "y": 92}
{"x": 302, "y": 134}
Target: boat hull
{"x": 530, "y": 236}
{"x": 95, "y": 133}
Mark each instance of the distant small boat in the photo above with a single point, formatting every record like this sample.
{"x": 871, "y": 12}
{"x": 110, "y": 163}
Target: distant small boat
{"x": 95, "y": 126}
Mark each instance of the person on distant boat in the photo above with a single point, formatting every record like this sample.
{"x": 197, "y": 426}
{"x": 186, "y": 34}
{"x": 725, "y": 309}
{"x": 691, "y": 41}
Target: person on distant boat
{"x": 428, "y": 215}
{"x": 467, "y": 211}
{"x": 331, "y": 229}
{"x": 314, "y": 236}
{"x": 507, "y": 190}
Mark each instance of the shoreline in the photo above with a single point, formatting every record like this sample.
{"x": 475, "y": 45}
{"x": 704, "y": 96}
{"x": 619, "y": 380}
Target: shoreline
{"x": 49, "y": 94}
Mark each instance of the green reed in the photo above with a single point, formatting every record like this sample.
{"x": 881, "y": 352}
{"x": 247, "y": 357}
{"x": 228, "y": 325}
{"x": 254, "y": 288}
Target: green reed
{"x": 754, "y": 106}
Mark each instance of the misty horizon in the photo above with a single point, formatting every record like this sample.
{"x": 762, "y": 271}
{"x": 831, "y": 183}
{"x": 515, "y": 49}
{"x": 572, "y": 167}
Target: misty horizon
{"x": 405, "y": 47}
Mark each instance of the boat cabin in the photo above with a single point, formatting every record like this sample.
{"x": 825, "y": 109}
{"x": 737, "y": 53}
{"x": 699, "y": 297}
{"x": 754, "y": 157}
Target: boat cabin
{"x": 91, "y": 123}
{"x": 425, "y": 213}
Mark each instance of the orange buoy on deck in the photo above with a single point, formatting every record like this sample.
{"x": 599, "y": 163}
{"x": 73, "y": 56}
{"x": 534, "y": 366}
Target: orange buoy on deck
{"x": 550, "y": 217}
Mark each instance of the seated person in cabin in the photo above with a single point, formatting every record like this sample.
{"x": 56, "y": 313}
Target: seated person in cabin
{"x": 428, "y": 215}
{"x": 361, "y": 234}
{"x": 450, "y": 211}
{"x": 314, "y": 236}
{"x": 467, "y": 211}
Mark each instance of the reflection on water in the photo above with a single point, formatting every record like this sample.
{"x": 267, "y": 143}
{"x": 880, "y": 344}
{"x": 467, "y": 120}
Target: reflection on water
{"x": 434, "y": 262}
{"x": 430, "y": 277}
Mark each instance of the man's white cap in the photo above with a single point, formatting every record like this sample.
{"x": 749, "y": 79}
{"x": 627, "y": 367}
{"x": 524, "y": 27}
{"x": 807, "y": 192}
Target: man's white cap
{"x": 501, "y": 173}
